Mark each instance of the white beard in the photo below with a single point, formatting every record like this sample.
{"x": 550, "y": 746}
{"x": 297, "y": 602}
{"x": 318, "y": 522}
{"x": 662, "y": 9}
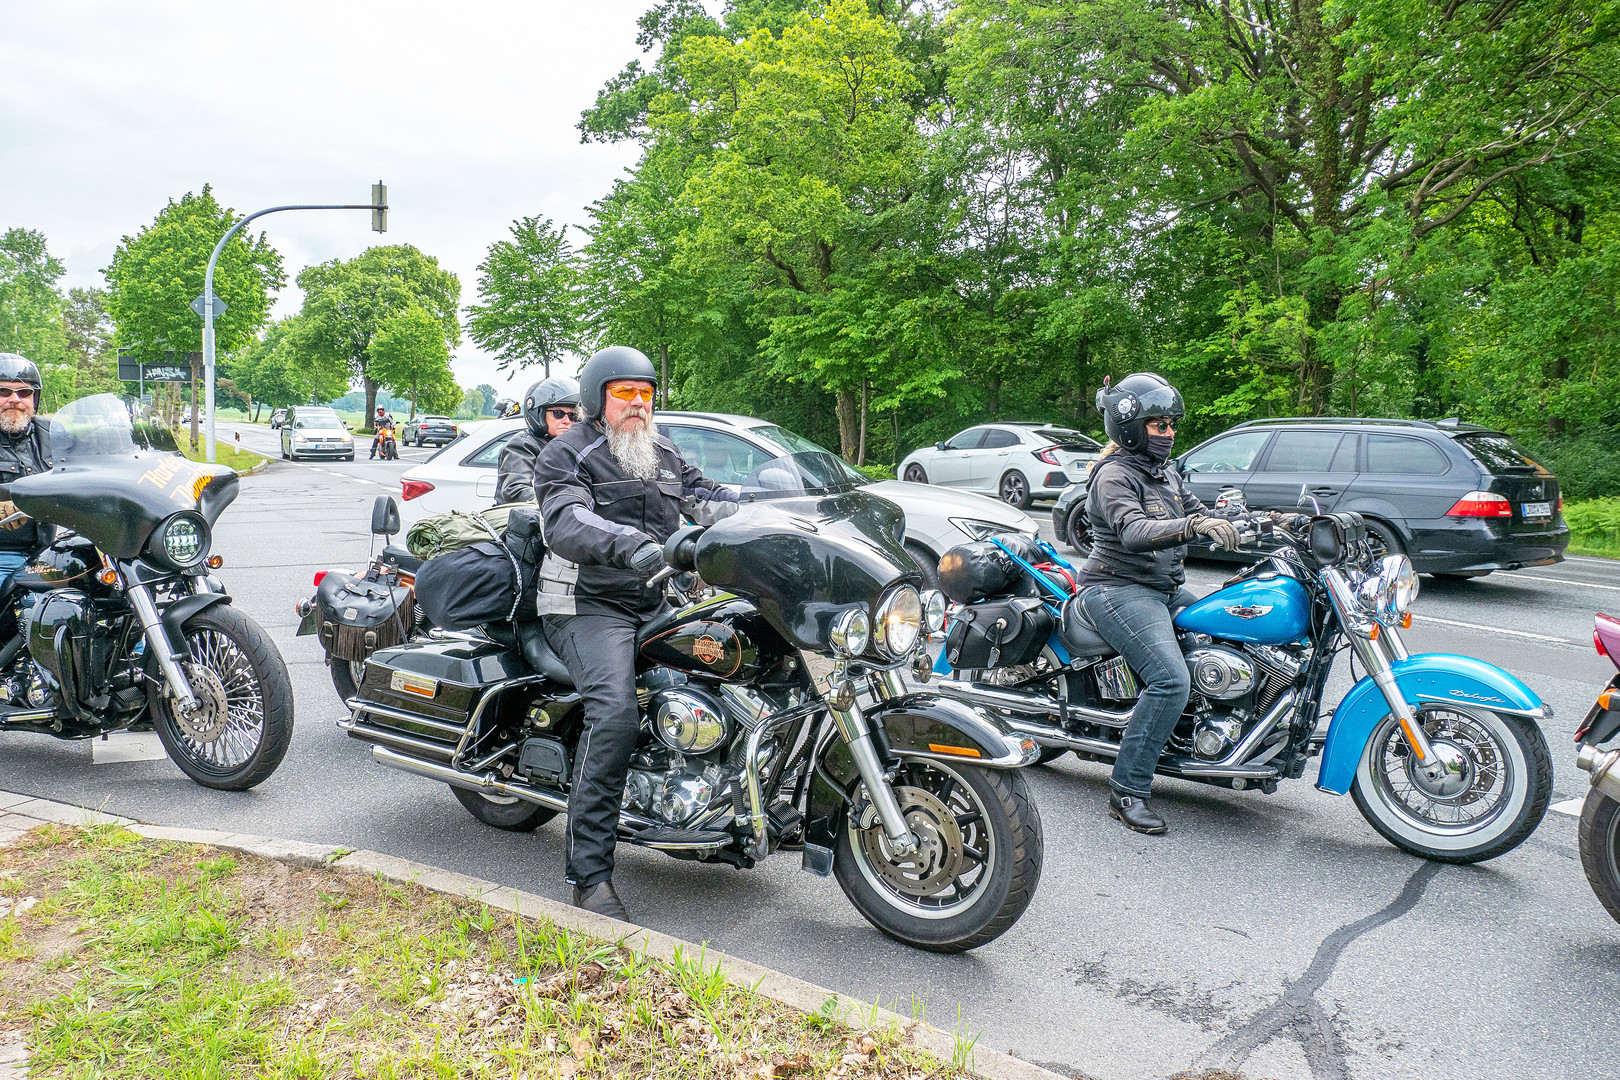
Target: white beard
{"x": 634, "y": 450}
{"x": 15, "y": 421}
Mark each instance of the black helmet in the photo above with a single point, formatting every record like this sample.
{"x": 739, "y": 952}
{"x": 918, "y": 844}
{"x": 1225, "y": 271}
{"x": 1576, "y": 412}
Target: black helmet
{"x": 546, "y": 394}
{"x": 1128, "y": 405}
{"x": 17, "y": 368}
{"x": 612, "y": 363}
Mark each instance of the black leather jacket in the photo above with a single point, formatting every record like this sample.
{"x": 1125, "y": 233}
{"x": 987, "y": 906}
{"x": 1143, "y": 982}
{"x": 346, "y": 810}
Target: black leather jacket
{"x": 520, "y": 460}
{"x": 24, "y": 455}
{"x": 1138, "y": 511}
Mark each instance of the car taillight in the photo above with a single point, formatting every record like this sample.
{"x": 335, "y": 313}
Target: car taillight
{"x": 412, "y": 489}
{"x": 1559, "y": 508}
{"x": 1481, "y": 504}
{"x": 1047, "y": 456}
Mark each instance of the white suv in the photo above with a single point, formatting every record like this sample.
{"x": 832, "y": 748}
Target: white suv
{"x": 725, "y": 448}
{"x": 1015, "y": 462}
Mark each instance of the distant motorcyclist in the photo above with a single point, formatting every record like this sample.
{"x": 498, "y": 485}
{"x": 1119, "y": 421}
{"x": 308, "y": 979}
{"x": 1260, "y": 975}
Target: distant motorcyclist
{"x": 25, "y": 448}
{"x": 550, "y": 407}
{"x": 378, "y": 422}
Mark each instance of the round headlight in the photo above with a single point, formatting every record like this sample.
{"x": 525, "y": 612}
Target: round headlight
{"x": 933, "y": 602}
{"x": 1400, "y": 583}
{"x": 899, "y": 622}
{"x": 185, "y": 540}
{"x": 850, "y": 632}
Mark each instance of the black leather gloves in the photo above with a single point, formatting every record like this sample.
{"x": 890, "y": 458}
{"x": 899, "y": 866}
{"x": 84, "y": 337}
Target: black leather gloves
{"x": 1216, "y": 529}
{"x": 648, "y": 560}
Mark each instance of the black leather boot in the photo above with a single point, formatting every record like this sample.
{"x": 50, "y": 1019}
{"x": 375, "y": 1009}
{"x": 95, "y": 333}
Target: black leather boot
{"x": 602, "y": 900}
{"x": 1134, "y": 814}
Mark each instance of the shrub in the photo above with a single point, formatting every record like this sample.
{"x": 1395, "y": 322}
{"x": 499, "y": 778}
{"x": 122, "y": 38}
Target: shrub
{"x": 878, "y": 472}
{"x": 1587, "y": 464}
{"x": 1593, "y": 524}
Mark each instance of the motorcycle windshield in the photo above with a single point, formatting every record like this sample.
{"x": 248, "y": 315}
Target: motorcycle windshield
{"x": 796, "y": 476}
{"x": 98, "y": 426}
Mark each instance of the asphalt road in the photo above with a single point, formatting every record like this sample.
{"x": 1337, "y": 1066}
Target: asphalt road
{"x": 1274, "y": 935}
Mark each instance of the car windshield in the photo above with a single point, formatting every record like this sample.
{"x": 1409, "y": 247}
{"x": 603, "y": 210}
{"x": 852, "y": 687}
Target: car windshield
{"x": 319, "y": 421}
{"x": 810, "y": 473}
{"x": 1498, "y": 453}
{"x": 95, "y": 426}
{"x": 797, "y": 444}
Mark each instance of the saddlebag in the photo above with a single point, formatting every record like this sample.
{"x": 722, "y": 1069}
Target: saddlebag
{"x": 969, "y": 573}
{"x": 356, "y": 617}
{"x": 998, "y": 633}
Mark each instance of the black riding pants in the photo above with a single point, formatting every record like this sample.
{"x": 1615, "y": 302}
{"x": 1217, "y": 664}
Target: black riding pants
{"x": 600, "y": 652}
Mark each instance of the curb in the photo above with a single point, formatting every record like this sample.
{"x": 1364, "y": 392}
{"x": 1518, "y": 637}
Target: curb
{"x": 20, "y": 813}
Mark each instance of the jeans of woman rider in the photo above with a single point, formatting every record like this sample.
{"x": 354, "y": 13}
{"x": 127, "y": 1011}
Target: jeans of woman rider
{"x": 1135, "y": 620}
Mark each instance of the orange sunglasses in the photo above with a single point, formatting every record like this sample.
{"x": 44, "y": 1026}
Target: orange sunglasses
{"x": 631, "y": 392}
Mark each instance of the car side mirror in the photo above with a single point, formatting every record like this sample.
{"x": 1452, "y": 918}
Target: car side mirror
{"x": 940, "y": 445}
{"x": 384, "y": 516}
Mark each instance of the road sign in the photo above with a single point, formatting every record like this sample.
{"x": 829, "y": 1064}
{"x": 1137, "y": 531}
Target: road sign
{"x": 174, "y": 367}
{"x": 219, "y": 306}
{"x": 379, "y": 207}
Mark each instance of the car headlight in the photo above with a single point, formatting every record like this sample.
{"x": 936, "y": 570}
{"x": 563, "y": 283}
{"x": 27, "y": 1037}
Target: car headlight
{"x": 933, "y": 603}
{"x": 899, "y": 622}
{"x": 183, "y": 540}
{"x": 300, "y": 438}
{"x": 982, "y": 530}
{"x": 850, "y": 632}
{"x": 1390, "y": 593}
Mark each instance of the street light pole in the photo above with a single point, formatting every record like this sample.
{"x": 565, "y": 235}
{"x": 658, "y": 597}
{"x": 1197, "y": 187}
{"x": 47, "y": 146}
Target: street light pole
{"x": 379, "y": 221}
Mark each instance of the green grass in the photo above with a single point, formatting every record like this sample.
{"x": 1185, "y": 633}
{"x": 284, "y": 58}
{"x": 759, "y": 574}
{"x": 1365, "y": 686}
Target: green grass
{"x": 1594, "y": 527}
{"x": 226, "y": 452}
{"x": 152, "y": 960}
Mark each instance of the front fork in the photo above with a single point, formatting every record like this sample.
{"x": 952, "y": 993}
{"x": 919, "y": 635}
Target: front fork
{"x": 1379, "y": 647}
{"x": 855, "y": 730}
{"x": 157, "y": 640}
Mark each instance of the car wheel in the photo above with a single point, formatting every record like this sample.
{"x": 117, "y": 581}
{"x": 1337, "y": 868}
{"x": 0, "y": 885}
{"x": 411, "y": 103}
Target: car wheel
{"x": 926, "y": 563}
{"x": 1383, "y": 539}
{"x": 1014, "y": 490}
{"x": 915, "y": 474}
{"x": 419, "y": 440}
{"x": 1077, "y": 529}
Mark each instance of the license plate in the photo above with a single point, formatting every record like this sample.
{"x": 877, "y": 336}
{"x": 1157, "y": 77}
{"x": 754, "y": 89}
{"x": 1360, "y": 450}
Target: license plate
{"x": 1536, "y": 510}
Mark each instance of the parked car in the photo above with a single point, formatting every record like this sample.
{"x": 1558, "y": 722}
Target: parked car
{"x": 277, "y": 418}
{"x": 1460, "y": 500}
{"x": 1017, "y": 463}
{"x": 315, "y": 431}
{"x": 438, "y": 430}
{"x": 725, "y": 448}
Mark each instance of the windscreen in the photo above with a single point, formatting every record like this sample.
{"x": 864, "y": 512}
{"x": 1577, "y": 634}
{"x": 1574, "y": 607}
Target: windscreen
{"x": 96, "y": 426}
{"x": 796, "y": 475}
{"x": 319, "y": 421}
{"x": 797, "y": 444}
{"x": 1498, "y": 453}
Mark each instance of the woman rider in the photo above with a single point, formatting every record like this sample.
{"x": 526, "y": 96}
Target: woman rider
{"x": 550, "y": 408}
{"x": 1142, "y": 517}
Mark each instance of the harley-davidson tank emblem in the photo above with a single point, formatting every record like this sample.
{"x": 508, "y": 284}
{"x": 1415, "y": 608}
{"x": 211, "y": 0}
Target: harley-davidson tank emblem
{"x": 1249, "y": 611}
{"x": 708, "y": 650}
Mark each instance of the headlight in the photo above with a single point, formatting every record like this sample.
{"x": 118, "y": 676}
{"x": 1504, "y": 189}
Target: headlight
{"x": 982, "y": 530}
{"x": 1390, "y": 593}
{"x": 850, "y": 632}
{"x": 300, "y": 438}
{"x": 183, "y": 540}
{"x": 933, "y": 602}
{"x": 899, "y": 622}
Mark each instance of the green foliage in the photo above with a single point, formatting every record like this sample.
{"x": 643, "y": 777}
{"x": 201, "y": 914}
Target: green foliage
{"x": 275, "y": 368}
{"x": 528, "y": 286}
{"x": 1594, "y": 526}
{"x": 409, "y": 356}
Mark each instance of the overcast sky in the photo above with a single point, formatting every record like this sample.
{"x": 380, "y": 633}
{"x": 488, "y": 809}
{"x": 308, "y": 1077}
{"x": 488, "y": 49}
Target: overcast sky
{"x": 466, "y": 111}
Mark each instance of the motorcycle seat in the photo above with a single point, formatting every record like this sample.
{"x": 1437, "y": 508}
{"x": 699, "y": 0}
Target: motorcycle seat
{"x": 529, "y": 638}
{"x": 401, "y": 558}
{"x": 1081, "y": 638}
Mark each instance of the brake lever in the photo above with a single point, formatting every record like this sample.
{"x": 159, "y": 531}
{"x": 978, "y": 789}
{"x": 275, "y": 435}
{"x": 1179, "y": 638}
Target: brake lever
{"x": 662, "y": 576}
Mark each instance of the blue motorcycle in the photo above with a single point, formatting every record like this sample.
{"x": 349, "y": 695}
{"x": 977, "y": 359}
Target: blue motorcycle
{"x": 1442, "y": 754}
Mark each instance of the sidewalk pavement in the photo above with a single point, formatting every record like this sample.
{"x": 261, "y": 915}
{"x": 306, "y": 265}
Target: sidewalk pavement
{"x": 20, "y": 813}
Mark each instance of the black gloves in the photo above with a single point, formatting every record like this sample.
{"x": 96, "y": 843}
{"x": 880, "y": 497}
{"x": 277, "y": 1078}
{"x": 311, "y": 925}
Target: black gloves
{"x": 1217, "y": 529}
{"x": 648, "y": 560}
{"x": 1289, "y": 522}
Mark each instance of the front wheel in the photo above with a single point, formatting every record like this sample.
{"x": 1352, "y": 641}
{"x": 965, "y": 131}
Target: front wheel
{"x": 915, "y": 474}
{"x": 506, "y": 812}
{"x": 1600, "y": 848}
{"x": 1490, "y": 795}
{"x": 976, "y": 867}
{"x": 1077, "y": 529}
{"x": 243, "y": 722}
{"x": 926, "y": 563}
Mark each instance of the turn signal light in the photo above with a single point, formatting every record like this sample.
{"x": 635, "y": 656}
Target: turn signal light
{"x": 1373, "y": 632}
{"x": 214, "y": 562}
{"x": 1406, "y": 620}
{"x": 109, "y": 577}
{"x": 1606, "y": 700}
{"x": 957, "y": 751}
{"x": 1481, "y": 504}
{"x": 414, "y": 489}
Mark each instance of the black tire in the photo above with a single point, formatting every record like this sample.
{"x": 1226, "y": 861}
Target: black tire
{"x": 925, "y": 562}
{"x": 916, "y": 474}
{"x": 1503, "y": 745}
{"x": 506, "y": 812}
{"x": 1014, "y": 490}
{"x": 346, "y": 676}
{"x": 1008, "y": 825}
{"x": 348, "y": 457}
{"x": 419, "y": 442}
{"x": 1600, "y": 848}
{"x": 1077, "y": 529}
{"x": 223, "y": 638}
{"x": 1384, "y": 539}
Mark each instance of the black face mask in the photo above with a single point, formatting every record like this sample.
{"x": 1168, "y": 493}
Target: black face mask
{"x": 1158, "y": 447}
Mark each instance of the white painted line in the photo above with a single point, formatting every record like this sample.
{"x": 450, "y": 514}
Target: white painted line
{"x": 127, "y": 746}
{"x": 1567, "y": 581}
{"x": 1572, "y": 807}
{"x": 1495, "y": 630}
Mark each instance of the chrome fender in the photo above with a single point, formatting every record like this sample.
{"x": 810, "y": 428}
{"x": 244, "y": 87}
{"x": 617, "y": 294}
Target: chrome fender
{"x": 1426, "y": 678}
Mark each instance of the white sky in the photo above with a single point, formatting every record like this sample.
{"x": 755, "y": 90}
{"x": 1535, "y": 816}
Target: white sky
{"x": 465, "y": 110}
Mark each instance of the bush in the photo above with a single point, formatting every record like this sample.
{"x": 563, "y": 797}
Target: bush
{"x": 878, "y": 472}
{"x": 1594, "y": 526}
{"x": 1587, "y": 464}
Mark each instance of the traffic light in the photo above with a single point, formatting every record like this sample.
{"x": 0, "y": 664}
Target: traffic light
{"x": 379, "y": 207}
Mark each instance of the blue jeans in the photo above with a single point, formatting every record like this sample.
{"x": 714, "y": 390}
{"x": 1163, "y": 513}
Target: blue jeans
{"x": 1135, "y": 620}
{"x": 10, "y": 563}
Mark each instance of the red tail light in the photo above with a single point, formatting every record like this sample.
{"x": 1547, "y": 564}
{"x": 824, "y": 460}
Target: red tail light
{"x": 1481, "y": 504}
{"x": 320, "y": 575}
{"x": 1597, "y": 643}
{"x": 1559, "y": 509}
{"x": 414, "y": 489}
{"x": 1047, "y": 456}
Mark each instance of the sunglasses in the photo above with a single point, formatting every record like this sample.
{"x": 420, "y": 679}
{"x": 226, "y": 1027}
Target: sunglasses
{"x": 25, "y": 393}
{"x": 632, "y": 393}
{"x": 1161, "y": 427}
{"x": 561, "y": 414}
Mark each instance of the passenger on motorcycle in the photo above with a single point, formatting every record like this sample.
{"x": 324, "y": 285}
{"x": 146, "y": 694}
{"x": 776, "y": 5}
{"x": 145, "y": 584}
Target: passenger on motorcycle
{"x": 25, "y": 448}
{"x": 550, "y": 407}
{"x": 378, "y": 422}
{"x": 610, "y": 491}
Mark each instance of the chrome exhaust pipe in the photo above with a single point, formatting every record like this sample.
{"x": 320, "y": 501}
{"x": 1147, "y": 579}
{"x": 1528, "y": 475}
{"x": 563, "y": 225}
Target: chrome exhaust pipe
{"x": 1048, "y": 736}
{"x": 1026, "y": 706}
{"x": 1604, "y": 765}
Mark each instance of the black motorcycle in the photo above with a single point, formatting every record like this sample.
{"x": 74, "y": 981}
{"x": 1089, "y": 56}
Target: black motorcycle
{"x": 118, "y": 624}
{"x": 1600, "y": 814}
{"x": 775, "y": 714}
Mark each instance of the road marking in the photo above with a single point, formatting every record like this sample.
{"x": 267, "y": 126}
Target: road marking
{"x": 1567, "y": 581}
{"x": 1495, "y": 630}
{"x": 1572, "y": 807}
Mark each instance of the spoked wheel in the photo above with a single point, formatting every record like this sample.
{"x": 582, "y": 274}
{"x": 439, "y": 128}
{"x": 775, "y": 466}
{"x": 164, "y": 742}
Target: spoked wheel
{"x": 243, "y": 722}
{"x": 504, "y": 811}
{"x": 1490, "y": 794}
{"x": 1600, "y": 848}
{"x": 347, "y": 675}
{"x": 974, "y": 871}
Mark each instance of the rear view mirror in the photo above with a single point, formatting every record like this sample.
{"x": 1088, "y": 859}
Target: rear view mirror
{"x": 385, "y": 516}
{"x": 1231, "y": 498}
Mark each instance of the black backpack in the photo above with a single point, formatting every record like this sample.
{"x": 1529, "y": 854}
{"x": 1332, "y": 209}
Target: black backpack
{"x": 486, "y": 582}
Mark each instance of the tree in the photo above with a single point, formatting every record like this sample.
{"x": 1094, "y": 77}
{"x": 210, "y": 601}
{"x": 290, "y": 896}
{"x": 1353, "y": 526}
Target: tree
{"x": 529, "y": 288}
{"x": 409, "y": 357}
{"x": 156, "y": 274}
{"x": 31, "y": 309}
{"x": 273, "y": 369}
{"x": 88, "y": 337}
{"x": 346, "y": 304}
{"x": 487, "y": 396}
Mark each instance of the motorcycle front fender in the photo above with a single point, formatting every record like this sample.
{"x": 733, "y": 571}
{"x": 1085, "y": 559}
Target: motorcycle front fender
{"x": 176, "y": 614}
{"x": 1425, "y": 678}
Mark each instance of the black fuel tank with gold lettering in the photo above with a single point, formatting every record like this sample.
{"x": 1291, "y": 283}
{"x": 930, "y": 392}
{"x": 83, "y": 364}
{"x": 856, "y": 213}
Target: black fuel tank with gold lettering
{"x": 66, "y": 564}
{"x": 725, "y": 638}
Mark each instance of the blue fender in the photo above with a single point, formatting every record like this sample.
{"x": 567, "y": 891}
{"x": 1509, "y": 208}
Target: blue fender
{"x": 1425, "y": 677}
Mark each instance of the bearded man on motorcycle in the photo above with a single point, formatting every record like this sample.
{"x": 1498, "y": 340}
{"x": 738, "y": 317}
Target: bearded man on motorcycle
{"x": 550, "y": 408}
{"x": 25, "y": 448}
{"x": 610, "y": 491}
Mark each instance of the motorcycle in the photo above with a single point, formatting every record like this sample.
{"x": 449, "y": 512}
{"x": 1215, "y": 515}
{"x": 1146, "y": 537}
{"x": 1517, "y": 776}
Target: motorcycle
{"x": 1600, "y": 814}
{"x": 387, "y": 445}
{"x": 119, "y": 622}
{"x": 775, "y": 715}
{"x": 1442, "y": 754}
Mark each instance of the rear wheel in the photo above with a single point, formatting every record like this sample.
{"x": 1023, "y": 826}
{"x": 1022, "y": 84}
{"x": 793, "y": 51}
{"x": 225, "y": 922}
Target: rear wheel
{"x": 1014, "y": 490}
{"x": 506, "y": 812}
{"x": 1600, "y": 848}
{"x": 347, "y": 675}
{"x": 974, "y": 872}
{"x": 916, "y": 474}
{"x": 1491, "y": 795}
{"x": 1383, "y": 540}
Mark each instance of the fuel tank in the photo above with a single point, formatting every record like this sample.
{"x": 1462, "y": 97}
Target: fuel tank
{"x": 1273, "y": 610}
{"x": 725, "y": 637}
{"x": 66, "y": 564}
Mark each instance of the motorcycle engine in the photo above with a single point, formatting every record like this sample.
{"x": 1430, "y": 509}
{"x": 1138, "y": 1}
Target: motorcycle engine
{"x": 674, "y": 795}
{"x": 1219, "y": 673}
{"x": 669, "y": 780}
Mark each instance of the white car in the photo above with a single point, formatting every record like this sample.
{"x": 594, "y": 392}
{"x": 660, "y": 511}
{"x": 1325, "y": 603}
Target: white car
{"x": 1017, "y": 463}
{"x": 725, "y": 448}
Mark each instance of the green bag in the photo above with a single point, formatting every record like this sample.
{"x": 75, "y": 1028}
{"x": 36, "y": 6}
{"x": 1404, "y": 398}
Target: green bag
{"x": 455, "y": 530}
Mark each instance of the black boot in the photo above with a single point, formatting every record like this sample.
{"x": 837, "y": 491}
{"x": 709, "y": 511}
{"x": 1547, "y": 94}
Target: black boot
{"x": 1134, "y": 814}
{"x": 602, "y": 900}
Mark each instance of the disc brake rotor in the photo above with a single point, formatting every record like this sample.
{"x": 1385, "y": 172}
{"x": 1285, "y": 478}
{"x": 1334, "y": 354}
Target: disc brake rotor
{"x": 206, "y": 723}
{"x": 935, "y": 863}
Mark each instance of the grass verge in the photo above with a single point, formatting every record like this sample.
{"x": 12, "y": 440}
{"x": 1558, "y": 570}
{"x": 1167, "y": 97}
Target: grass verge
{"x": 226, "y": 452}
{"x": 126, "y": 957}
